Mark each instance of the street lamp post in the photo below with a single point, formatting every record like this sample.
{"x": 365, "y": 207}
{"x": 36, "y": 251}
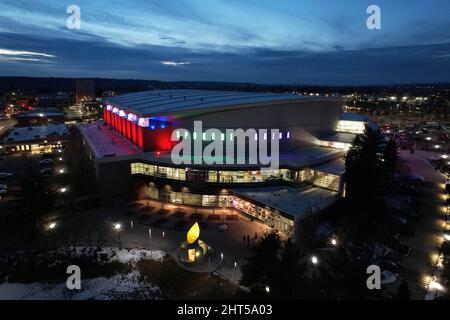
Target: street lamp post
{"x": 209, "y": 262}
{"x": 117, "y": 227}
{"x": 436, "y": 147}
{"x": 221, "y": 262}
{"x": 234, "y": 273}
{"x": 132, "y": 235}
{"x": 151, "y": 241}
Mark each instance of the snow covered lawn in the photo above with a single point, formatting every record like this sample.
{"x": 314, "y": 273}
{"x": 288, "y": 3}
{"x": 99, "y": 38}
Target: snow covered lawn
{"x": 118, "y": 285}
{"x": 127, "y": 286}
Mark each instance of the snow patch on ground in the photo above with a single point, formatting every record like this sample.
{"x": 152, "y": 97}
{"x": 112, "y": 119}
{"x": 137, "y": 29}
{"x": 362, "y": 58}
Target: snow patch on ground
{"x": 124, "y": 255}
{"x": 121, "y": 286}
{"x": 134, "y": 255}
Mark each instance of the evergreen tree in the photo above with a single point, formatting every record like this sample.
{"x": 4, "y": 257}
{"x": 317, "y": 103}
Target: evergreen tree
{"x": 261, "y": 264}
{"x": 364, "y": 169}
{"x": 390, "y": 156}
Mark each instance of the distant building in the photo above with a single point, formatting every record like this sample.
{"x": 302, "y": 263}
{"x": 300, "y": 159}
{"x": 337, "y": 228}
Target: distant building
{"x": 40, "y": 117}
{"x": 59, "y": 101}
{"x": 37, "y": 139}
{"x": 84, "y": 90}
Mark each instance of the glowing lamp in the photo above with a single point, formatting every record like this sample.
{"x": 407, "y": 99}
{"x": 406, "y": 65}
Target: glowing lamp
{"x": 122, "y": 113}
{"x": 115, "y": 110}
{"x": 193, "y": 250}
{"x": 109, "y": 107}
{"x": 193, "y": 233}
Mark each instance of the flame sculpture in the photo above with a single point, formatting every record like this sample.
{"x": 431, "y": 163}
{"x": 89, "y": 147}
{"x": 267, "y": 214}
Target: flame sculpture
{"x": 193, "y": 233}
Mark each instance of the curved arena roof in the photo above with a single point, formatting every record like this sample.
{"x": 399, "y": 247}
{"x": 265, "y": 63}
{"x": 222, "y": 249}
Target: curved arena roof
{"x": 162, "y": 102}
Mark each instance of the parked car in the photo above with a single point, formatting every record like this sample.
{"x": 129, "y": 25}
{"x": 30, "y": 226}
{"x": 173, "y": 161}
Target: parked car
{"x": 3, "y": 191}
{"x": 46, "y": 172}
{"x": 46, "y": 161}
{"x": 3, "y": 186}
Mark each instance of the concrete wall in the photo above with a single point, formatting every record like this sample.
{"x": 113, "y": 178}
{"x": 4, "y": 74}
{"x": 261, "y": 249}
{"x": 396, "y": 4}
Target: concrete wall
{"x": 305, "y": 120}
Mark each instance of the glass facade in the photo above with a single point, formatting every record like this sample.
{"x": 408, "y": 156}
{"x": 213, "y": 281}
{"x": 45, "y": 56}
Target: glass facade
{"x": 238, "y": 176}
{"x": 266, "y": 215}
{"x": 326, "y": 180}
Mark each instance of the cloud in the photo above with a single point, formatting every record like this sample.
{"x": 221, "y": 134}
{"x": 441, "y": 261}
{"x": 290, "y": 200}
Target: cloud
{"x": 175, "y": 64}
{"x": 7, "y": 52}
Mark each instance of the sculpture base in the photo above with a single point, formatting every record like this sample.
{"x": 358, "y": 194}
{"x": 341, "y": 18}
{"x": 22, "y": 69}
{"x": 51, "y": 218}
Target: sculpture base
{"x": 192, "y": 253}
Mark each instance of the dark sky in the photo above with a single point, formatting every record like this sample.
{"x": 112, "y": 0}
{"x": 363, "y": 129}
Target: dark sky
{"x": 264, "y": 41}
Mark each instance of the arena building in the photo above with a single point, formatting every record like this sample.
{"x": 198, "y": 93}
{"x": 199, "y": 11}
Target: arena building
{"x": 131, "y": 149}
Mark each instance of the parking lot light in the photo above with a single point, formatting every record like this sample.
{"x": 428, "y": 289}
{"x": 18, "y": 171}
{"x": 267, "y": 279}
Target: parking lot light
{"x": 117, "y": 226}
{"x": 52, "y": 226}
{"x": 63, "y": 190}
{"x": 314, "y": 260}
{"x": 434, "y": 285}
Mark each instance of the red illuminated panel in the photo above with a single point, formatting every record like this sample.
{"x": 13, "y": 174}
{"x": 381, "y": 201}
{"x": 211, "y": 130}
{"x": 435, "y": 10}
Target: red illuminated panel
{"x": 134, "y": 133}
{"x": 129, "y": 130}
{"x": 158, "y": 139}
{"x": 106, "y": 116}
{"x": 122, "y": 125}
{"x": 140, "y": 137}
{"x": 114, "y": 121}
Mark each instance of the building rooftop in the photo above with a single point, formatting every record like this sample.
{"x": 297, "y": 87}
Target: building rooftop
{"x": 344, "y": 137}
{"x": 304, "y": 157}
{"x": 350, "y": 116}
{"x": 21, "y": 134}
{"x": 163, "y": 102}
{"x": 295, "y": 202}
{"x": 336, "y": 167}
{"x": 105, "y": 142}
{"x": 39, "y": 113}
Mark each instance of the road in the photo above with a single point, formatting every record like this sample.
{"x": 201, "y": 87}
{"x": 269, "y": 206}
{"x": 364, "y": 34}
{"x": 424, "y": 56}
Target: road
{"x": 419, "y": 264}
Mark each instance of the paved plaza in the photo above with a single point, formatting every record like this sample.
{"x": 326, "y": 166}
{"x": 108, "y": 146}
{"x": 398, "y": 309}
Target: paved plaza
{"x": 168, "y": 225}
